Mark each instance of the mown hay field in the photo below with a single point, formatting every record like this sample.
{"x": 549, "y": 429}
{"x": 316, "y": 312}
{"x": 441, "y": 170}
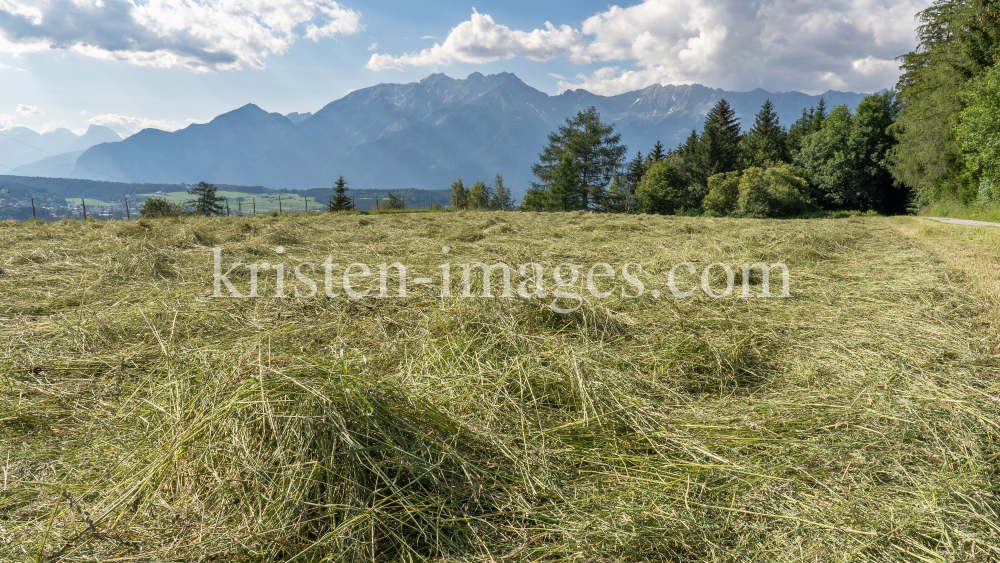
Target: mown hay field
{"x": 141, "y": 419}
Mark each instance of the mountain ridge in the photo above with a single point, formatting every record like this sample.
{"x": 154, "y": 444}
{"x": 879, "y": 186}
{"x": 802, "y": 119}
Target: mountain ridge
{"x": 419, "y": 135}
{"x": 21, "y": 146}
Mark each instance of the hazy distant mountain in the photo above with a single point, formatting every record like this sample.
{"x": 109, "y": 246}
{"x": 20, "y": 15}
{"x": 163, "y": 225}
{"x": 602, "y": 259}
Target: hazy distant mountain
{"x": 20, "y": 145}
{"x": 59, "y": 166}
{"x": 296, "y": 117}
{"x": 246, "y": 146}
{"x": 417, "y": 135}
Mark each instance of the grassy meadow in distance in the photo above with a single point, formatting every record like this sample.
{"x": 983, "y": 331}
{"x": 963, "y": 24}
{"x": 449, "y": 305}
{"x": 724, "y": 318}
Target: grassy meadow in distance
{"x": 143, "y": 420}
{"x": 266, "y": 203}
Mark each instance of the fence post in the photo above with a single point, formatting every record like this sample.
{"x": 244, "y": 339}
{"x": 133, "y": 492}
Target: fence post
{"x": 33, "y": 218}
{"x": 127, "y": 212}
{"x": 254, "y": 207}
{"x": 84, "y": 208}
{"x": 227, "y": 207}
{"x": 279, "y": 205}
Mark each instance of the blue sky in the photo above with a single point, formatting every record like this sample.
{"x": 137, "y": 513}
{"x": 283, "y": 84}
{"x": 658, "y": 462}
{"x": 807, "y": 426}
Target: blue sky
{"x": 166, "y": 63}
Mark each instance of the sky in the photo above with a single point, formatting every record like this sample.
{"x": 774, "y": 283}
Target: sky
{"x": 131, "y": 64}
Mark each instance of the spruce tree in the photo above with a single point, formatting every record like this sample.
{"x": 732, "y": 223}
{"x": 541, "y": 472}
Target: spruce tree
{"x": 206, "y": 201}
{"x": 596, "y": 151}
{"x": 657, "y": 154}
{"x": 765, "y": 142}
{"x": 566, "y": 189}
{"x": 819, "y": 116}
{"x": 635, "y": 170}
{"x": 690, "y": 147}
{"x": 722, "y": 136}
{"x": 802, "y": 128}
{"x": 717, "y": 149}
{"x": 340, "y": 201}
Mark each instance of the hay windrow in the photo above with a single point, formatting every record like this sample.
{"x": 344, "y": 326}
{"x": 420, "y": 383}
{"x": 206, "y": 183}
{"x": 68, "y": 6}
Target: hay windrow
{"x": 143, "y": 420}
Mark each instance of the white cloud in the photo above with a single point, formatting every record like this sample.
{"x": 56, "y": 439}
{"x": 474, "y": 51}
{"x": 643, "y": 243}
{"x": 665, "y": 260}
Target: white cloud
{"x": 373, "y": 46}
{"x": 126, "y": 126}
{"x": 28, "y": 110}
{"x": 809, "y": 45}
{"x": 6, "y": 122}
{"x": 482, "y": 40}
{"x": 7, "y": 67}
{"x": 203, "y": 35}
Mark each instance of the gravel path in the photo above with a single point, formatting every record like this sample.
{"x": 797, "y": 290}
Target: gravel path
{"x": 964, "y": 222}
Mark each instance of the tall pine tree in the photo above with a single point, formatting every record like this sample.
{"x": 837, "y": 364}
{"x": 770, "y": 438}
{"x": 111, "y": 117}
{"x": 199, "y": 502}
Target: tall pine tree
{"x": 717, "y": 149}
{"x": 657, "y": 153}
{"x": 206, "y": 201}
{"x": 596, "y": 152}
{"x": 566, "y": 189}
{"x": 340, "y": 201}
{"x": 765, "y": 142}
{"x": 722, "y": 133}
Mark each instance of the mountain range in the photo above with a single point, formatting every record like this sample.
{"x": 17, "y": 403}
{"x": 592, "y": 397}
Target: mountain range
{"x": 25, "y": 152}
{"x": 420, "y": 135}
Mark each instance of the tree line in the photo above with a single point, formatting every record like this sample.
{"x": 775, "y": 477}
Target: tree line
{"x": 935, "y": 137}
{"x": 949, "y": 125}
{"x": 482, "y": 196}
{"x": 826, "y": 160}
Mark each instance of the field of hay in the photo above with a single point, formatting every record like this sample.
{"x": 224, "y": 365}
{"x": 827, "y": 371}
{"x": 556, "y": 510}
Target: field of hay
{"x": 143, "y": 420}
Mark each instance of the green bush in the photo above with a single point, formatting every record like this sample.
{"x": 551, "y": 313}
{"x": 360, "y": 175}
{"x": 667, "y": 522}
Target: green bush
{"x": 723, "y": 195}
{"x": 665, "y": 189}
{"x": 157, "y": 207}
{"x": 778, "y": 191}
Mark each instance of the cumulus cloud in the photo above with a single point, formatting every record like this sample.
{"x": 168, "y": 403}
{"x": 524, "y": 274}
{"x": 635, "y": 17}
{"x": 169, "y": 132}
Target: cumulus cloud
{"x": 777, "y": 44}
{"x": 373, "y": 46}
{"x": 125, "y": 125}
{"x": 28, "y": 110}
{"x": 482, "y": 40}
{"x": 6, "y": 122}
{"x": 203, "y": 35}
{"x": 807, "y": 45}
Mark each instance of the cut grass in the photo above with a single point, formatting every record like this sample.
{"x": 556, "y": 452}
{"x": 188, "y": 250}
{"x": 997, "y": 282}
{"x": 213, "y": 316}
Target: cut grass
{"x": 144, "y": 421}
